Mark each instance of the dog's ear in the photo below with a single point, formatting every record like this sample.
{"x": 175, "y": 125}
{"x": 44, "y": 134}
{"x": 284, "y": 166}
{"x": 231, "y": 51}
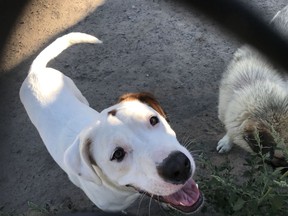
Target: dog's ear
{"x": 78, "y": 160}
{"x": 146, "y": 98}
{"x": 257, "y": 135}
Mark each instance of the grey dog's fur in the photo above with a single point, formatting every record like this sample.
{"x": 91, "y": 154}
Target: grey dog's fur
{"x": 253, "y": 99}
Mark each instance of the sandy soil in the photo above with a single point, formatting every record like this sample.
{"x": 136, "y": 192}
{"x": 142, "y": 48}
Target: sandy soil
{"x": 177, "y": 55}
{"x": 39, "y": 21}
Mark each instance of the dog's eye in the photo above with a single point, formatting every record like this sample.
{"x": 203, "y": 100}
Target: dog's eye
{"x": 154, "y": 120}
{"x": 118, "y": 155}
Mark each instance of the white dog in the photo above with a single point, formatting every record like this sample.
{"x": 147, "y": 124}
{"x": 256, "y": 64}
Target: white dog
{"x": 253, "y": 100}
{"x": 112, "y": 155}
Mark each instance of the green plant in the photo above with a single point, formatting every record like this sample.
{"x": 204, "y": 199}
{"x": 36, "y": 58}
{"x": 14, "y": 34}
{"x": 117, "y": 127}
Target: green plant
{"x": 258, "y": 190}
{"x": 37, "y": 208}
{"x": 49, "y": 207}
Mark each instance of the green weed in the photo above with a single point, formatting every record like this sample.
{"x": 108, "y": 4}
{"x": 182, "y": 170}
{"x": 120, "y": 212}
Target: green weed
{"x": 258, "y": 190}
{"x": 37, "y": 208}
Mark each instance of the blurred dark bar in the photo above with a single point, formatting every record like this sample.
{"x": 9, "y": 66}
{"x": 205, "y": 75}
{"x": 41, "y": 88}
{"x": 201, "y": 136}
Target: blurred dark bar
{"x": 244, "y": 23}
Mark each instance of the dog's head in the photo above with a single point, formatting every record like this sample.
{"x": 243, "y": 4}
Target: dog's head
{"x": 263, "y": 137}
{"x": 133, "y": 147}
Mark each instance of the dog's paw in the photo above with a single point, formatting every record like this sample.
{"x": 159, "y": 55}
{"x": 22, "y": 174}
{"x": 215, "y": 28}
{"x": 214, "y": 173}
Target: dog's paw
{"x": 224, "y": 145}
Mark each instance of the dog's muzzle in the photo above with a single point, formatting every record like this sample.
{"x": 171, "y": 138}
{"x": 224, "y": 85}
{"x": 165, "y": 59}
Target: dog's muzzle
{"x": 176, "y": 168}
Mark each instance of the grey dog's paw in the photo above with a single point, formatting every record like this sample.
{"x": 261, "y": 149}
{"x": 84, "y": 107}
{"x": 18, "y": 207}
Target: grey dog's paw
{"x": 224, "y": 145}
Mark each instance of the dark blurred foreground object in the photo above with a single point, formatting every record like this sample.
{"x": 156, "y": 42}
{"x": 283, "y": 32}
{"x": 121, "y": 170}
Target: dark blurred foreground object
{"x": 95, "y": 214}
{"x": 10, "y": 10}
{"x": 244, "y": 24}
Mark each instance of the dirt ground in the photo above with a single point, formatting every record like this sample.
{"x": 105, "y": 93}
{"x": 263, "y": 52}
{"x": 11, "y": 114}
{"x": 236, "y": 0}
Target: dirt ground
{"x": 148, "y": 45}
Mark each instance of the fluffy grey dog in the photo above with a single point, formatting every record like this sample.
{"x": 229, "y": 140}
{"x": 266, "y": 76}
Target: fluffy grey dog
{"x": 253, "y": 101}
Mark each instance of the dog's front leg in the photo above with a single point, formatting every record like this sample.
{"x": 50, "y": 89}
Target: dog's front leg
{"x": 225, "y": 144}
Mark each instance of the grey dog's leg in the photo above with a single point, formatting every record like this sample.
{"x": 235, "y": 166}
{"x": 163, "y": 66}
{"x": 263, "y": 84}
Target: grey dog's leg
{"x": 224, "y": 145}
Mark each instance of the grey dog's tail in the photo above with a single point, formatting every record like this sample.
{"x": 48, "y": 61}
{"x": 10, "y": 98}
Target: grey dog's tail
{"x": 56, "y": 47}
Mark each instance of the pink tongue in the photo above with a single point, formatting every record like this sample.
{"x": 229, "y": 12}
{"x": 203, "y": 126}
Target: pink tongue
{"x": 187, "y": 196}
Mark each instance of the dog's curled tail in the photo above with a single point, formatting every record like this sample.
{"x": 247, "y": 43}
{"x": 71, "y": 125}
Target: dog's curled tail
{"x": 59, "y": 45}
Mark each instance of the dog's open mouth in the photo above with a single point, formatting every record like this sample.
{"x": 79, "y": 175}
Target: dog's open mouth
{"x": 187, "y": 200}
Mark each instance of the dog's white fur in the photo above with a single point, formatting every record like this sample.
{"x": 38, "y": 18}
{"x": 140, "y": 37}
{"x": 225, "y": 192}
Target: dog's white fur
{"x": 253, "y": 96}
{"x": 82, "y": 140}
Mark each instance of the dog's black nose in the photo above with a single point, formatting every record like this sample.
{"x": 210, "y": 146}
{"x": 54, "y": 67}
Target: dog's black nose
{"x": 176, "y": 168}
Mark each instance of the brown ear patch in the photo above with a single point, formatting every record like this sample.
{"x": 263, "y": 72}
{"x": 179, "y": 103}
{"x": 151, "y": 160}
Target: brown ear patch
{"x": 258, "y": 136}
{"x": 146, "y": 98}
